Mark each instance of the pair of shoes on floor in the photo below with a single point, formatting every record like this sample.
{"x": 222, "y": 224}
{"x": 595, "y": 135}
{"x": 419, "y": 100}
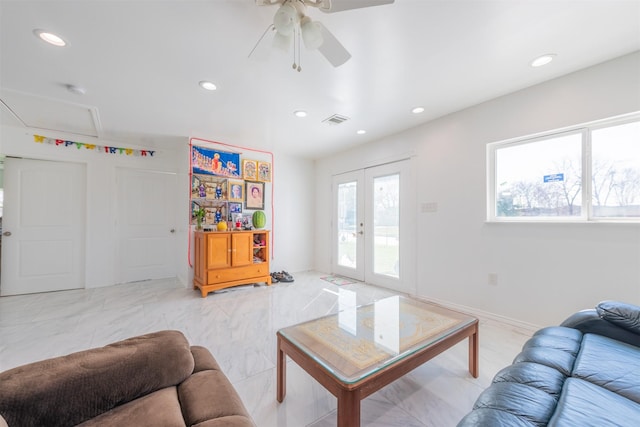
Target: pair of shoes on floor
{"x": 281, "y": 276}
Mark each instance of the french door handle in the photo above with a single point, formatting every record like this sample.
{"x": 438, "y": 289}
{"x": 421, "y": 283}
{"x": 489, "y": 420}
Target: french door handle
{"x": 6, "y": 233}
{"x": 360, "y": 232}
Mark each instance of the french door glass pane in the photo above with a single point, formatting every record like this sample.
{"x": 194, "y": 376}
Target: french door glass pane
{"x": 615, "y": 171}
{"x": 386, "y": 225}
{"x": 347, "y": 206}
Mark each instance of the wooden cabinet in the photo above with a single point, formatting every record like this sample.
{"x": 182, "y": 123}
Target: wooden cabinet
{"x": 231, "y": 258}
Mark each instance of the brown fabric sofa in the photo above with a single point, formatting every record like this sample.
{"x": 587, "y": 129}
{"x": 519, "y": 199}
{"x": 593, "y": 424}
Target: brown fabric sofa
{"x": 156, "y": 380}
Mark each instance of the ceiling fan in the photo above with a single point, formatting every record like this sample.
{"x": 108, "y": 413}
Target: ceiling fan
{"x": 290, "y": 23}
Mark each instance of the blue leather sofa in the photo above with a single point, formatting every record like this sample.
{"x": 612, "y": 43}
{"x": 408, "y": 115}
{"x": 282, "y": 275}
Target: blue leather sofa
{"x": 585, "y": 372}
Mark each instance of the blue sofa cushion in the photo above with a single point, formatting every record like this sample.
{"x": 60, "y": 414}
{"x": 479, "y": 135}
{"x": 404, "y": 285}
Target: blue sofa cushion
{"x": 554, "y": 346}
{"x": 618, "y": 371}
{"x": 527, "y": 403}
{"x": 585, "y": 404}
{"x": 542, "y": 377}
{"x": 489, "y": 417}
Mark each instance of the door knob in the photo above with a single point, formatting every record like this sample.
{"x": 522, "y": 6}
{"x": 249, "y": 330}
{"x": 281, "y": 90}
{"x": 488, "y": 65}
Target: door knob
{"x": 6, "y": 233}
{"x": 173, "y": 230}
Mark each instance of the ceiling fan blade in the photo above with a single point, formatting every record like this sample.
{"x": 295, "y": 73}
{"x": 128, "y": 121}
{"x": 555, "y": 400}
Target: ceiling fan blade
{"x": 331, "y": 6}
{"x": 331, "y": 48}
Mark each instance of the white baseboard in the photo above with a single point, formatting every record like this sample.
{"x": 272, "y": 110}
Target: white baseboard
{"x": 481, "y": 314}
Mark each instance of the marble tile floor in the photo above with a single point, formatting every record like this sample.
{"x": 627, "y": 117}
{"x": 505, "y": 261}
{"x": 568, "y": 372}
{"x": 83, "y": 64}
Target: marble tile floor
{"x": 238, "y": 326}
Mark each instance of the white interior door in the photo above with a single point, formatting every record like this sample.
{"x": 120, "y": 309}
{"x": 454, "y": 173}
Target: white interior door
{"x": 375, "y": 226}
{"x": 145, "y": 223}
{"x": 43, "y": 226}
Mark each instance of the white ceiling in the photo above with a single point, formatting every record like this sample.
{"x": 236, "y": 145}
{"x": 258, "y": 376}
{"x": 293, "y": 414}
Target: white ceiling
{"x": 140, "y": 63}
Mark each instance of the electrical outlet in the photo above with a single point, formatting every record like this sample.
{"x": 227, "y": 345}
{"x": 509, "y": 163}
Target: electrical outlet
{"x": 429, "y": 207}
{"x": 493, "y": 279}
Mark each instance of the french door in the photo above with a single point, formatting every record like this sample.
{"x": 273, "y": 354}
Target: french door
{"x": 373, "y": 238}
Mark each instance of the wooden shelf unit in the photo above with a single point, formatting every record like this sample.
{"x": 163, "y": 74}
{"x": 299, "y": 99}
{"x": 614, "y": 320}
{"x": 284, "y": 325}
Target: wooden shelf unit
{"x": 229, "y": 258}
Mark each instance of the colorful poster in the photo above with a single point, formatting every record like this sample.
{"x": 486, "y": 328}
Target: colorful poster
{"x": 214, "y": 162}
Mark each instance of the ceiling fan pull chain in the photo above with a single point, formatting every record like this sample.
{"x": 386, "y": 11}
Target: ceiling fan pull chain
{"x": 299, "y": 67}
{"x": 294, "y": 51}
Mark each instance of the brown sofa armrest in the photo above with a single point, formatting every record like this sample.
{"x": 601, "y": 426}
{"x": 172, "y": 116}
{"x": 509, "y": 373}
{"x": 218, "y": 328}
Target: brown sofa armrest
{"x": 68, "y": 390}
{"x": 208, "y": 397}
{"x": 203, "y": 359}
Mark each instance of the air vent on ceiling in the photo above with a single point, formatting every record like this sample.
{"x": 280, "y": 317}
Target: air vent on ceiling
{"x": 336, "y": 119}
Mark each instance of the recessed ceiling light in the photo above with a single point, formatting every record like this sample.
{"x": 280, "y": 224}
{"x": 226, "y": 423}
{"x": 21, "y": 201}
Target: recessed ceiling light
{"x": 50, "y": 38}
{"x": 300, "y": 113}
{"x": 207, "y": 85}
{"x": 361, "y": 132}
{"x": 417, "y": 110}
{"x": 543, "y": 60}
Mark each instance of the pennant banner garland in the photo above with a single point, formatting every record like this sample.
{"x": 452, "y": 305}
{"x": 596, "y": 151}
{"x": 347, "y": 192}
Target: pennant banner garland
{"x": 99, "y": 148}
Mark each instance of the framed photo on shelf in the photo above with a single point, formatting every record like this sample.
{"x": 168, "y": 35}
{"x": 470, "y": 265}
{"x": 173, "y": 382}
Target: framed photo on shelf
{"x": 208, "y": 187}
{"x": 216, "y": 189}
{"x": 235, "y": 208}
{"x": 264, "y": 171}
{"x": 215, "y": 212}
{"x": 236, "y": 219}
{"x": 250, "y": 169}
{"x": 254, "y": 195}
{"x": 236, "y": 191}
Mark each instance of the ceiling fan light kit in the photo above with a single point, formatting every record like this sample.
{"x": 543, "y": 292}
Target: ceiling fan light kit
{"x": 281, "y": 42}
{"x": 285, "y": 19}
{"x": 291, "y": 22}
{"x": 311, "y": 33}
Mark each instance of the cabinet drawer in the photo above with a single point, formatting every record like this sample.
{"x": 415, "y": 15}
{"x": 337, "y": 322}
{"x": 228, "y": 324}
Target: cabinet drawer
{"x": 236, "y": 273}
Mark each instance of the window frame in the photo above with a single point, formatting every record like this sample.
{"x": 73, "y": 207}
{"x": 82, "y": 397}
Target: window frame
{"x": 586, "y": 211}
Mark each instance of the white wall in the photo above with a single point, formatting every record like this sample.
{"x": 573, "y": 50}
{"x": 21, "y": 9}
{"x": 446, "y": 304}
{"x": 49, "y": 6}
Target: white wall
{"x": 101, "y": 188}
{"x": 292, "y": 179}
{"x": 545, "y": 271}
{"x": 294, "y": 214}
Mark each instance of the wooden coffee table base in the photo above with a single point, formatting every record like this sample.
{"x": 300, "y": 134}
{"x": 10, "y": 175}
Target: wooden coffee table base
{"x": 350, "y": 395}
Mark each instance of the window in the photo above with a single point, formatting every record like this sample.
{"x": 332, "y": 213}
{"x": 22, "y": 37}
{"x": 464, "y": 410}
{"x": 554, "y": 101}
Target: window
{"x": 591, "y": 173}
{"x": 615, "y": 171}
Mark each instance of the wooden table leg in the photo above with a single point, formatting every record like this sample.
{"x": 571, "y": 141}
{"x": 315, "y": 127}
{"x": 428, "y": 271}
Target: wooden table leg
{"x": 349, "y": 408}
{"x": 474, "y": 355}
{"x": 281, "y": 372}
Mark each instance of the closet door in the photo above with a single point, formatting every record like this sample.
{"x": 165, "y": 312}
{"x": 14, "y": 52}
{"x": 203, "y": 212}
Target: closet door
{"x": 145, "y": 223}
{"x": 43, "y": 239}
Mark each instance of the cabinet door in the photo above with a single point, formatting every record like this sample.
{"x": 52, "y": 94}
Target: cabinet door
{"x": 218, "y": 250}
{"x": 199, "y": 262}
{"x": 242, "y": 249}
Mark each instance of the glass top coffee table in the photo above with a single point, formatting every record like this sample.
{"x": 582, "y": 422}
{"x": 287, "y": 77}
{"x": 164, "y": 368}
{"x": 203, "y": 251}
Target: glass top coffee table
{"x": 357, "y": 351}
